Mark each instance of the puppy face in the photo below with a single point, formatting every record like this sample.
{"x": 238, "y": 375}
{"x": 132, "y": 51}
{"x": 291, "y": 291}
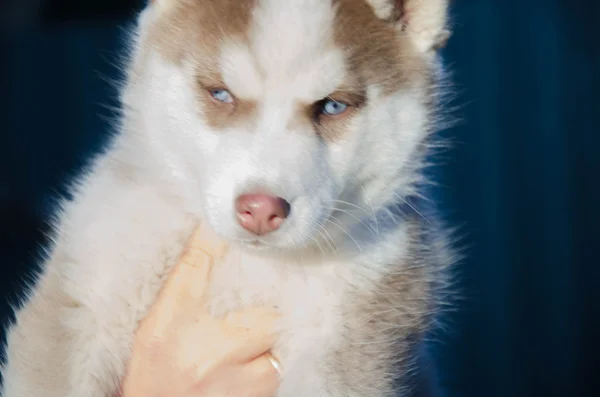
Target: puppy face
{"x": 281, "y": 122}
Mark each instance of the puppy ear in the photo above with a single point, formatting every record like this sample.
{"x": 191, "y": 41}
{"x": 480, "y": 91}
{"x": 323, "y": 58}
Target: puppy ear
{"x": 163, "y": 5}
{"x": 424, "y": 21}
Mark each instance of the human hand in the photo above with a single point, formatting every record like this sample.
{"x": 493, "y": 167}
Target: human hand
{"x": 180, "y": 350}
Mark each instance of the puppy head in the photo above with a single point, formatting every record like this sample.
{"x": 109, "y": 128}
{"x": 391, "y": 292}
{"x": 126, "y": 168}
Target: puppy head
{"x": 283, "y": 122}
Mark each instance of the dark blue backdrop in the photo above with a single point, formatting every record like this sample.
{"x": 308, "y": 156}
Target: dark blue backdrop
{"x": 522, "y": 177}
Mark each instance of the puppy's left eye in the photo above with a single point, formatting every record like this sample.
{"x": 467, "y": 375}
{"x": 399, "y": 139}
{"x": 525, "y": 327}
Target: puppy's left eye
{"x": 222, "y": 95}
{"x": 331, "y": 107}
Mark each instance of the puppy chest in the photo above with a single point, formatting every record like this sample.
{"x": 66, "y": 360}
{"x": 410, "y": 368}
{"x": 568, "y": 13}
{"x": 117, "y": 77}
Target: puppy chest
{"x": 294, "y": 289}
{"x": 307, "y": 296}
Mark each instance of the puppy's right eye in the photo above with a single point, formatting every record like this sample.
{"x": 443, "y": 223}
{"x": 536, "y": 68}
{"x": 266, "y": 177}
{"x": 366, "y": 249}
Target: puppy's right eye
{"x": 333, "y": 108}
{"x": 221, "y": 95}
{"x": 329, "y": 108}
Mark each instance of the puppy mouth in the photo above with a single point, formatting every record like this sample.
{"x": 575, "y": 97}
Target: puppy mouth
{"x": 255, "y": 243}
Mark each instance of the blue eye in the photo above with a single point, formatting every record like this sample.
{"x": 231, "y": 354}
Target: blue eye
{"x": 222, "y": 96}
{"x": 333, "y": 108}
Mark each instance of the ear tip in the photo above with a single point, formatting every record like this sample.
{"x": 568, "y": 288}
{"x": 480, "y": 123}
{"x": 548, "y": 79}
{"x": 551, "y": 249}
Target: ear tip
{"x": 425, "y": 20}
{"x": 163, "y": 5}
{"x": 399, "y": 11}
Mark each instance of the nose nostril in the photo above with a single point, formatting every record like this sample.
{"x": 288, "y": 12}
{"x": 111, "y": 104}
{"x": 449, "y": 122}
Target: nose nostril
{"x": 285, "y": 208}
{"x": 261, "y": 214}
{"x": 245, "y": 216}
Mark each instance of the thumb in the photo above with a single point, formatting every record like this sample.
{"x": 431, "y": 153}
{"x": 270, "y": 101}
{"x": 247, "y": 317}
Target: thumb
{"x": 254, "y": 330}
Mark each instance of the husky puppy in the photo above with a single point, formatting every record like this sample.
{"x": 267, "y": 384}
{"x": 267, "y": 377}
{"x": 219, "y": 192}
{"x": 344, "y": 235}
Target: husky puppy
{"x": 298, "y": 130}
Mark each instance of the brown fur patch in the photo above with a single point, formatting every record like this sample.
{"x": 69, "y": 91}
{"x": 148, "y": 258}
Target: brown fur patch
{"x": 383, "y": 324}
{"x": 333, "y": 127}
{"x": 219, "y": 115}
{"x": 197, "y": 29}
{"x": 378, "y": 53}
{"x": 307, "y": 116}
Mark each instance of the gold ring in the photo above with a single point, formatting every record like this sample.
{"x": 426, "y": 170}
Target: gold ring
{"x": 274, "y": 362}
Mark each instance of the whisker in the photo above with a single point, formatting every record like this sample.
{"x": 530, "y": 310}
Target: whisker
{"x": 372, "y": 209}
{"x": 331, "y": 220}
{"x": 318, "y": 228}
{"x": 413, "y": 208}
{"x": 329, "y": 240}
{"x": 351, "y": 205}
{"x": 355, "y": 217}
{"x": 316, "y": 239}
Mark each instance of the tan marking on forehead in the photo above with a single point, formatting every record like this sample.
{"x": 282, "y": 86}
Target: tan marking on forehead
{"x": 198, "y": 28}
{"x": 377, "y": 52}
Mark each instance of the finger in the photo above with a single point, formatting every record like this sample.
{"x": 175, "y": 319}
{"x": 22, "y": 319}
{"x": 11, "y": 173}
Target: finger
{"x": 254, "y": 331}
{"x": 259, "y": 377}
{"x": 257, "y": 319}
{"x": 192, "y": 273}
{"x": 255, "y": 378}
{"x": 274, "y": 362}
{"x": 262, "y": 375}
{"x": 205, "y": 240}
{"x": 190, "y": 277}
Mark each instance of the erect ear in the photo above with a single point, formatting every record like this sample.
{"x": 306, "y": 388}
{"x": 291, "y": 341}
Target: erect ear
{"x": 425, "y": 21}
{"x": 163, "y": 4}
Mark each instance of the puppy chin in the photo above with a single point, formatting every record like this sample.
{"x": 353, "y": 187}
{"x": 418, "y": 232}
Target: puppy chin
{"x": 279, "y": 244}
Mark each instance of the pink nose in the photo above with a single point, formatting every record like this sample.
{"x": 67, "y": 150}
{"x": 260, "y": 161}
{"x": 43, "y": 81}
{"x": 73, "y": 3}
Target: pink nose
{"x": 261, "y": 214}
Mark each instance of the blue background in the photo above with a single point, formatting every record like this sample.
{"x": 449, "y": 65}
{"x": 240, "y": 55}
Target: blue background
{"x": 522, "y": 178}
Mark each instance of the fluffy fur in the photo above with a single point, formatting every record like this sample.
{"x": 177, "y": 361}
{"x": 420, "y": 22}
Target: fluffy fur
{"x": 355, "y": 269}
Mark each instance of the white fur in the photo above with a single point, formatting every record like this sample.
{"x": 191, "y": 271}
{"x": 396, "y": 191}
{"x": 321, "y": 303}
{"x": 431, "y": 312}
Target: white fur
{"x": 167, "y": 170}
